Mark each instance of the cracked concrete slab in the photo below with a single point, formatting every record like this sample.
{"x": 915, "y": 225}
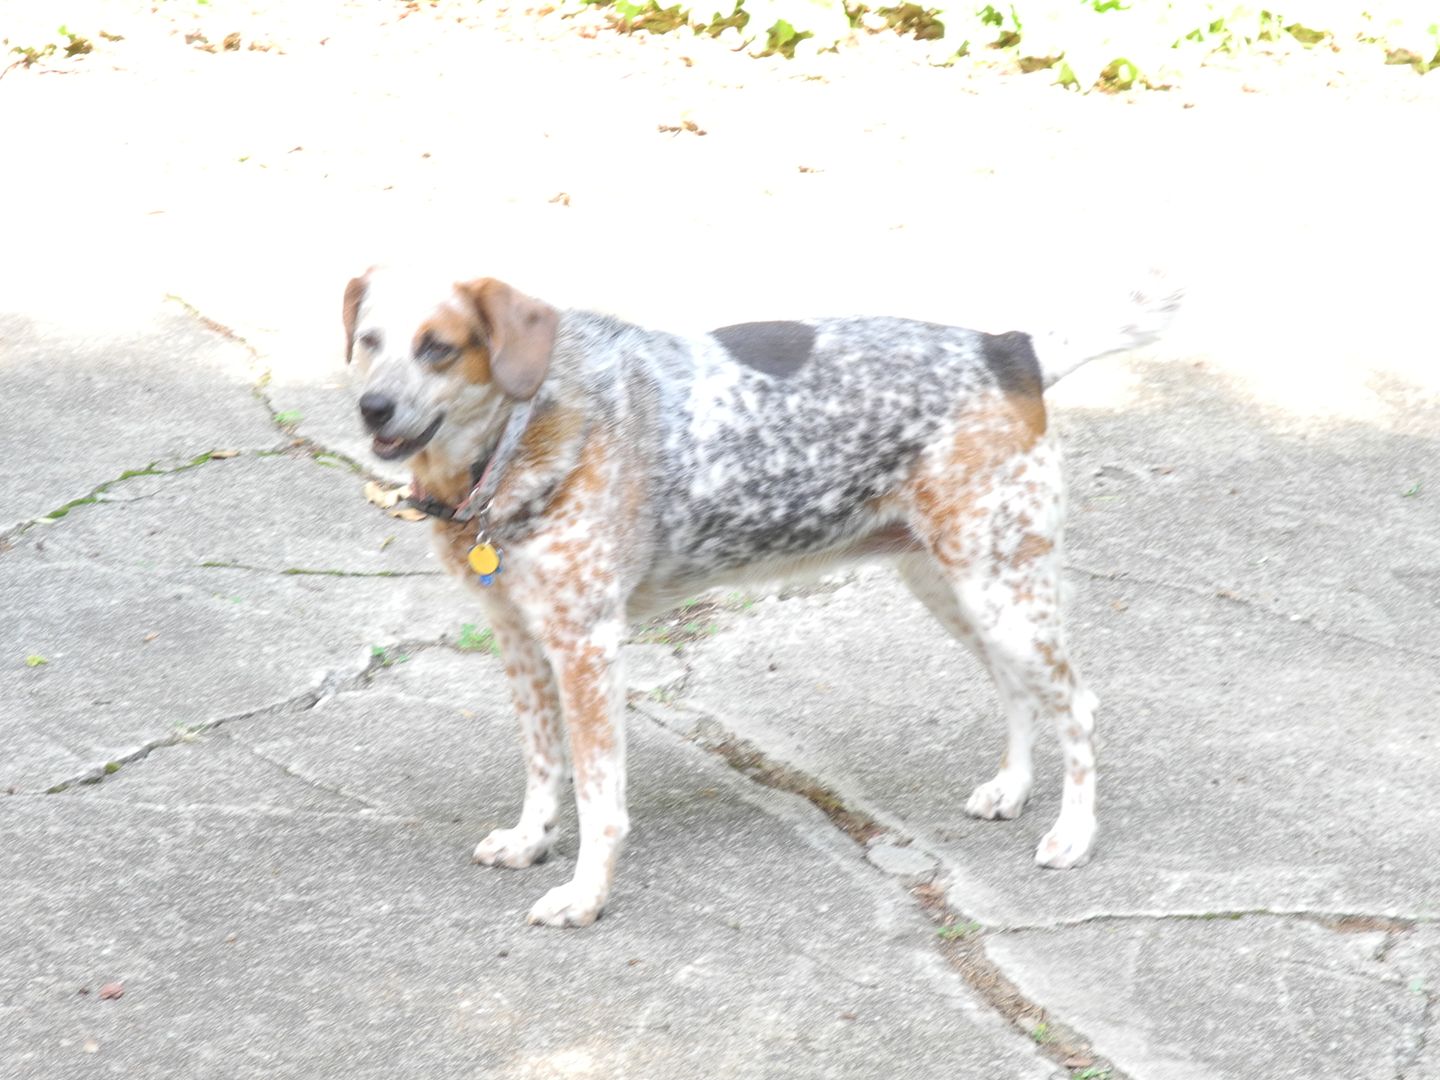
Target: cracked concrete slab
{"x": 1215, "y": 793}
{"x": 97, "y": 404}
{"x": 1256, "y": 998}
{"x": 1254, "y": 561}
{"x": 294, "y": 514}
{"x": 1249, "y": 759}
{"x": 1282, "y": 514}
{"x": 745, "y": 936}
{"x": 141, "y": 640}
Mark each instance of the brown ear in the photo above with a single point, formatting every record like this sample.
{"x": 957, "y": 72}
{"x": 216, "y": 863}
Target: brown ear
{"x": 521, "y": 333}
{"x": 354, "y": 294}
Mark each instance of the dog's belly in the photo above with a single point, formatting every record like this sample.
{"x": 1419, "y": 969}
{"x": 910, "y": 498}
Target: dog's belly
{"x": 669, "y": 585}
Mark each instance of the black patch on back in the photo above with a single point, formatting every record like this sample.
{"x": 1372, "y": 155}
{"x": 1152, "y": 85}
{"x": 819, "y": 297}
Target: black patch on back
{"x": 1012, "y": 360}
{"x": 775, "y": 348}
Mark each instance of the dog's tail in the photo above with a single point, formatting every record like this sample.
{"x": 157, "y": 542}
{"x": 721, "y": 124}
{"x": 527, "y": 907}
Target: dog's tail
{"x": 1100, "y": 331}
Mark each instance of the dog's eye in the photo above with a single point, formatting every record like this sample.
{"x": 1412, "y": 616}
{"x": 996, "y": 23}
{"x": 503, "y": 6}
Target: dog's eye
{"x": 371, "y": 340}
{"x": 434, "y": 351}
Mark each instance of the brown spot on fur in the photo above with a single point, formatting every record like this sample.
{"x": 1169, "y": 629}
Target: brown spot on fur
{"x": 462, "y": 331}
{"x": 587, "y": 707}
{"x": 944, "y": 490}
{"x": 1030, "y": 410}
{"x": 548, "y": 436}
{"x": 1032, "y": 547}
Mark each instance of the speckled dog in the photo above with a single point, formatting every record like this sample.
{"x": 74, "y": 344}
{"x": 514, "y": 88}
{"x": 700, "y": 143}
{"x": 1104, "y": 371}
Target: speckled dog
{"x": 593, "y": 471}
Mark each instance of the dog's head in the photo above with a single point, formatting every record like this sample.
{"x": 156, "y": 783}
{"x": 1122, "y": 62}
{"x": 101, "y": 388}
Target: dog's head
{"x": 437, "y": 367}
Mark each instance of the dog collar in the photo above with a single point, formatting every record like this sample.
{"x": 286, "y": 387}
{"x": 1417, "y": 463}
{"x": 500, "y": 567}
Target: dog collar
{"x": 485, "y": 476}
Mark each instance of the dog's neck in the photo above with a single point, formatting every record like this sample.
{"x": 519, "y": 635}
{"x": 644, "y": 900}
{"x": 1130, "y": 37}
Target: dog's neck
{"x": 549, "y": 446}
{"x": 440, "y": 477}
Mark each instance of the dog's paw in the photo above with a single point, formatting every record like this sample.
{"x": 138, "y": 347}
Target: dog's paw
{"x": 1068, "y": 844}
{"x": 567, "y": 905}
{"x": 515, "y": 848}
{"x": 1002, "y": 797}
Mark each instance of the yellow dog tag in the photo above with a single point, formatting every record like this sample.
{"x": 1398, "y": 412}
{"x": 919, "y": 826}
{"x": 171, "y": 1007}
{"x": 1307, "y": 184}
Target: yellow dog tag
{"x": 484, "y": 559}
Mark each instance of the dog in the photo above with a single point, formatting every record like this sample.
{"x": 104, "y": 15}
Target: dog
{"x": 583, "y": 472}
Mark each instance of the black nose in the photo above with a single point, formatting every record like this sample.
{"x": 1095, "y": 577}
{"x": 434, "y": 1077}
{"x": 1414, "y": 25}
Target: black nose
{"x": 377, "y": 409}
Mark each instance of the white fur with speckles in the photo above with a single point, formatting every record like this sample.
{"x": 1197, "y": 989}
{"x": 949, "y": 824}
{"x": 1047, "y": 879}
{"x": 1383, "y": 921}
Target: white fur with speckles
{"x": 690, "y": 467}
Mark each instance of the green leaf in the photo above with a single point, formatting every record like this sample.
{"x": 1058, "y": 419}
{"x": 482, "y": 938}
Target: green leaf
{"x": 35, "y": 660}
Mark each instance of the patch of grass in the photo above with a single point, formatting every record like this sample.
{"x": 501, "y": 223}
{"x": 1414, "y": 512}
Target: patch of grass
{"x": 112, "y": 767}
{"x": 1041, "y": 1033}
{"x": 1093, "y": 1073}
{"x": 387, "y": 657}
{"x": 35, "y": 660}
{"x": 663, "y": 695}
{"x": 477, "y": 639}
{"x": 289, "y": 417}
{"x": 61, "y": 511}
{"x": 1411, "y": 491}
{"x": 957, "y": 931}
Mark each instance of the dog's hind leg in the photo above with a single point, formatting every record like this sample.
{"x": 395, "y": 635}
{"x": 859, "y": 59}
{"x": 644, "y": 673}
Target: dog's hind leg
{"x": 998, "y": 559}
{"x": 1003, "y": 796}
{"x": 542, "y": 738}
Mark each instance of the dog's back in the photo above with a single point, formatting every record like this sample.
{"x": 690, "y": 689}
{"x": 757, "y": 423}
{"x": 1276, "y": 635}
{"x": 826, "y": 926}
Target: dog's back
{"x": 780, "y": 440}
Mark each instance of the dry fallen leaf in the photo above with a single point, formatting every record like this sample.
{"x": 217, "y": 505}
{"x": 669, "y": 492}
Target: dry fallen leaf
{"x": 382, "y": 497}
{"x": 408, "y": 513}
{"x": 223, "y": 454}
{"x": 90, "y": 1046}
{"x": 111, "y": 991}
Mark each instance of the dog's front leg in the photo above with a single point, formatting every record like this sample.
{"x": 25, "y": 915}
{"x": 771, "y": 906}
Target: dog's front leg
{"x": 592, "y": 694}
{"x": 542, "y": 739}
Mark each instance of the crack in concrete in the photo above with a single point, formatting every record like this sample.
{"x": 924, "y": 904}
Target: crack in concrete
{"x": 965, "y": 954}
{"x": 1408, "y": 1059}
{"x": 308, "y": 781}
{"x": 300, "y": 571}
{"x": 331, "y": 683}
{"x": 1120, "y": 577}
{"x": 96, "y": 495}
{"x": 780, "y": 943}
{"x": 1342, "y": 922}
{"x": 257, "y": 389}
{"x": 99, "y": 773}
{"x": 363, "y": 813}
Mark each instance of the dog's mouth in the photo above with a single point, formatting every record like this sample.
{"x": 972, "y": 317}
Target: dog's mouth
{"x": 396, "y": 447}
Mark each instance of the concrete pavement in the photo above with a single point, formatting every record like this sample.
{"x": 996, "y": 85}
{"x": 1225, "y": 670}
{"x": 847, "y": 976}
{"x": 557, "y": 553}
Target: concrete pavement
{"x": 248, "y": 741}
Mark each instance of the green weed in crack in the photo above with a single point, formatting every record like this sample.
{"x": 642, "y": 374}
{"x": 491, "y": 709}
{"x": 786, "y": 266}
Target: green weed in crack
{"x": 380, "y": 656}
{"x": 475, "y": 639}
{"x": 152, "y": 469}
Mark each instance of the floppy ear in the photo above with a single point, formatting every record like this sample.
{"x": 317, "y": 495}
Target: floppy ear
{"x": 354, "y": 294}
{"x": 521, "y": 333}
